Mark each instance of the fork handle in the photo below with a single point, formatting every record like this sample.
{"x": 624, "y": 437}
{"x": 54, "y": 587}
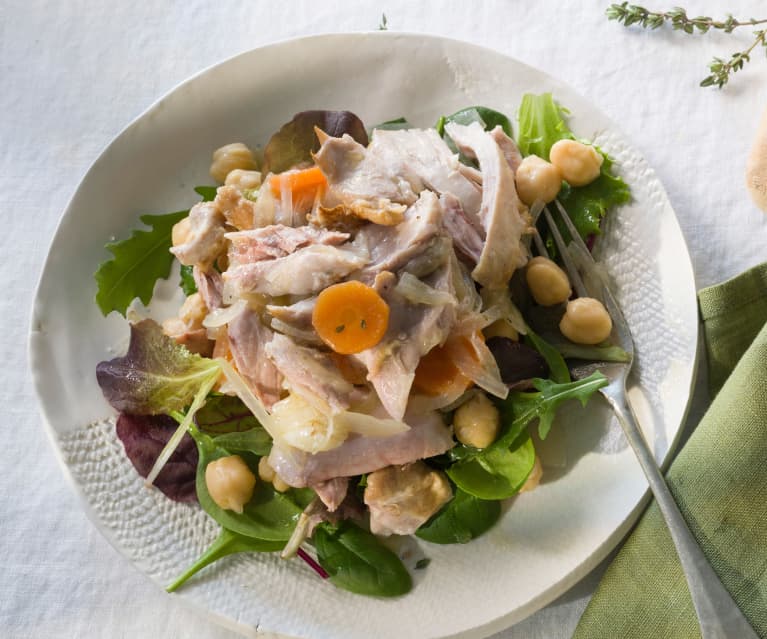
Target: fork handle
{"x": 718, "y": 614}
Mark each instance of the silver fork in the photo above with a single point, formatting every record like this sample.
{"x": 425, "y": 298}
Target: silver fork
{"x": 718, "y": 615}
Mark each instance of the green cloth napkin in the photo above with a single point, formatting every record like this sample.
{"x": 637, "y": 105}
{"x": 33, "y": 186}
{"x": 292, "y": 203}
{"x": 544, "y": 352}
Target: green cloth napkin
{"x": 719, "y": 480}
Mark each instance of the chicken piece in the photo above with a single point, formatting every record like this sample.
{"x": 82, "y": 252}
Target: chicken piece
{"x": 414, "y": 329}
{"x": 508, "y": 147}
{"x": 205, "y": 240}
{"x": 402, "y": 498}
{"x": 466, "y": 239}
{"x": 392, "y": 247}
{"x": 309, "y": 372}
{"x": 187, "y": 328}
{"x": 355, "y": 175}
{"x": 499, "y": 213}
{"x": 277, "y": 240}
{"x": 428, "y": 436}
{"x": 422, "y": 157}
{"x": 374, "y": 182}
{"x": 210, "y": 286}
{"x": 305, "y": 272}
{"x": 238, "y": 210}
{"x": 295, "y": 320}
{"x": 332, "y": 492}
{"x": 248, "y": 339}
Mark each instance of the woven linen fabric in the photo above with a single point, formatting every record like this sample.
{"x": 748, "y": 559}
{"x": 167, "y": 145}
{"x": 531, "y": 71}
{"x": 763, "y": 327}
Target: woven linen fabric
{"x": 719, "y": 481}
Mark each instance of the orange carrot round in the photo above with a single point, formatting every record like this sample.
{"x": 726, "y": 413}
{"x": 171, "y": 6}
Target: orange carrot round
{"x": 437, "y": 373}
{"x": 302, "y": 183}
{"x": 350, "y": 317}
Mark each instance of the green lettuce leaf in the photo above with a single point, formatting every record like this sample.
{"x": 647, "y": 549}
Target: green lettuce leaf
{"x": 225, "y": 414}
{"x": 187, "y": 283}
{"x": 157, "y": 375}
{"x": 138, "y": 263}
{"x": 393, "y": 125}
{"x": 208, "y": 193}
{"x": 541, "y": 124}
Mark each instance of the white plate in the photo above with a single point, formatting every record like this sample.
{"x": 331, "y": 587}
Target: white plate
{"x": 549, "y": 538}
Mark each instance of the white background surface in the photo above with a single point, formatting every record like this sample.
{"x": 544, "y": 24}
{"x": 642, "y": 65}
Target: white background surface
{"x": 74, "y": 74}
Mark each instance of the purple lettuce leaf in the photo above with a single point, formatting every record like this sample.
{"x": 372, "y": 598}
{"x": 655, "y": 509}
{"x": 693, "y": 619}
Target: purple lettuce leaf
{"x": 156, "y": 376}
{"x": 143, "y": 437}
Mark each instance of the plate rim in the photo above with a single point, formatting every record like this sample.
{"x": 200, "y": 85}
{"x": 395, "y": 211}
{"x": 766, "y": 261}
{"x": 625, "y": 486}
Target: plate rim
{"x": 550, "y": 593}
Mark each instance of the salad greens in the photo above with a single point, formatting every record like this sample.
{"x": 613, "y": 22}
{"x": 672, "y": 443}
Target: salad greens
{"x": 158, "y": 378}
{"x": 227, "y": 543}
{"x": 499, "y": 471}
{"x": 463, "y": 518}
{"x": 137, "y": 264}
{"x": 541, "y": 125}
{"x": 356, "y": 561}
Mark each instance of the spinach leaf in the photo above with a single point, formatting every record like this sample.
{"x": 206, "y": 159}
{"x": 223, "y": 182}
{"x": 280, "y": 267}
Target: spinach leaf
{"x": 157, "y": 375}
{"x": 497, "y": 472}
{"x": 269, "y": 515}
{"x": 556, "y": 363}
{"x": 356, "y": 561}
{"x": 227, "y": 543}
{"x": 393, "y": 125}
{"x": 541, "y": 124}
{"x": 488, "y": 118}
{"x": 462, "y": 519}
{"x": 295, "y": 142}
{"x": 137, "y": 263}
{"x": 225, "y": 414}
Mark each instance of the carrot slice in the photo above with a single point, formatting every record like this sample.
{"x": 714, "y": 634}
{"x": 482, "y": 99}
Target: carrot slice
{"x": 437, "y": 373}
{"x": 350, "y": 317}
{"x": 303, "y": 184}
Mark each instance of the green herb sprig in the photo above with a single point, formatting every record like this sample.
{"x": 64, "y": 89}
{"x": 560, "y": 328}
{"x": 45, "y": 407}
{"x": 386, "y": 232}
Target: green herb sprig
{"x": 720, "y": 68}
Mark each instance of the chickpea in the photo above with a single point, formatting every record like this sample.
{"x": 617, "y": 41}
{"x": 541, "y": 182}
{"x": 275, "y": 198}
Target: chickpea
{"x": 578, "y": 163}
{"x": 537, "y": 180}
{"x": 548, "y": 283}
{"x": 586, "y": 321}
{"x": 265, "y": 470}
{"x": 231, "y": 157}
{"x": 501, "y": 328}
{"x": 476, "y": 422}
{"x": 242, "y": 179}
{"x": 230, "y": 482}
{"x": 193, "y": 311}
{"x": 181, "y": 232}
{"x": 534, "y": 478}
{"x": 279, "y": 485}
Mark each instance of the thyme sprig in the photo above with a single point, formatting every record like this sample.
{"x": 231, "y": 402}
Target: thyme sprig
{"x": 720, "y": 68}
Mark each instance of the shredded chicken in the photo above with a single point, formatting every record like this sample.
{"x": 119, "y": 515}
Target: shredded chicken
{"x": 205, "y": 241}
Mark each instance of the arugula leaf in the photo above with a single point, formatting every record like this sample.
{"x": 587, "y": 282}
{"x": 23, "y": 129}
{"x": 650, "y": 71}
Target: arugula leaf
{"x": 227, "y": 543}
{"x": 208, "y": 193}
{"x": 541, "y": 125}
{"x": 498, "y": 471}
{"x": 356, "y": 561}
{"x": 295, "y": 142}
{"x": 157, "y": 375}
{"x": 138, "y": 263}
{"x": 462, "y": 519}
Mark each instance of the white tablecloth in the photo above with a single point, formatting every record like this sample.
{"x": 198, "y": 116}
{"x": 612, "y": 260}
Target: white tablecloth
{"x": 75, "y": 73}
